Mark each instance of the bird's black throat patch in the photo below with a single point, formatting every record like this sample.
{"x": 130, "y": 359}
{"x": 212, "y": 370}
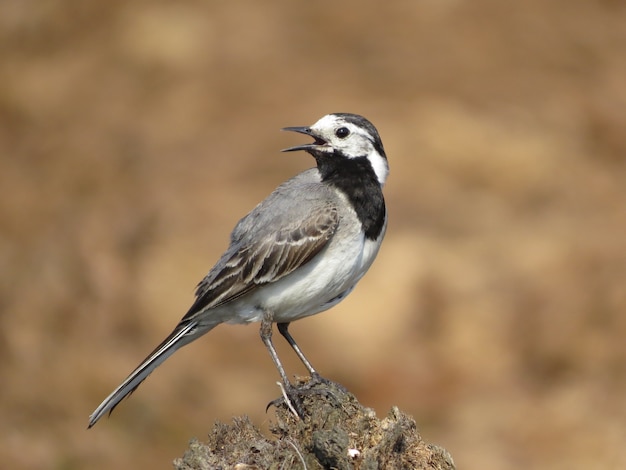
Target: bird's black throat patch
{"x": 356, "y": 178}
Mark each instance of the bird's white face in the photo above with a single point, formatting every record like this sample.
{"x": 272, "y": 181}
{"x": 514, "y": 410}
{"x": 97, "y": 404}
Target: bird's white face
{"x": 335, "y": 132}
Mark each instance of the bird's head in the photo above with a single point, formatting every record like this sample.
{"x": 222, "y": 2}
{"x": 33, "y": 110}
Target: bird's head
{"x": 343, "y": 135}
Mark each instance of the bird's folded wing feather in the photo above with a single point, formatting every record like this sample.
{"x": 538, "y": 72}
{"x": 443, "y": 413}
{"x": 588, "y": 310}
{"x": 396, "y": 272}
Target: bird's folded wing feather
{"x": 253, "y": 262}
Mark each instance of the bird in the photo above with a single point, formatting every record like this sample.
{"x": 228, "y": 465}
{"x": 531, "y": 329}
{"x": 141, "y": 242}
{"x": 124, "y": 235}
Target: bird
{"x": 299, "y": 252}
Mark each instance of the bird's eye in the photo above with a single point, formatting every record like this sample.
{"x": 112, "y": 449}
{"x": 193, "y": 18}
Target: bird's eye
{"x": 342, "y": 132}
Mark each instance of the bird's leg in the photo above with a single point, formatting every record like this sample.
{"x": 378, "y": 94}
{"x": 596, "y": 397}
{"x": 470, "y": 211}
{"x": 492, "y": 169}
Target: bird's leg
{"x": 316, "y": 378}
{"x": 266, "y": 337}
{"x": 291, "y": 398}
{"x": 283, "y": 329}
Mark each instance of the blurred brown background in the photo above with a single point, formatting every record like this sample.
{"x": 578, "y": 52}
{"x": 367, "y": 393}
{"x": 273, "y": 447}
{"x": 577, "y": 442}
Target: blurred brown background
{"x": 134, "y": 134}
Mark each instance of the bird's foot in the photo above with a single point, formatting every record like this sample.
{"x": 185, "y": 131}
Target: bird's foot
{"x": 328, "y": 385}
{"x": 291, "y": 399}
{"x": 316, "y": 385}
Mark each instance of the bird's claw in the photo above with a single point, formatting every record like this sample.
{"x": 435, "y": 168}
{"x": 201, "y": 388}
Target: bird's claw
{"x": 292, "y": 394}
{"x": 290, "y": 398}
{"x": 317, "y": 379}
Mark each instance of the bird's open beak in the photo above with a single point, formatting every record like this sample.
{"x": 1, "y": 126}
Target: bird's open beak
{"x": 307, "y": 131}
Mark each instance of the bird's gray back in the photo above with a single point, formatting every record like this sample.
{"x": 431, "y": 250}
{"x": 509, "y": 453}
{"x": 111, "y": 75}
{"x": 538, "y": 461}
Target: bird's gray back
{"x": 289, "y": 206}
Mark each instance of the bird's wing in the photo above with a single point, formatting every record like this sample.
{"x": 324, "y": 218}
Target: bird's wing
{"x": 256, "y": 261}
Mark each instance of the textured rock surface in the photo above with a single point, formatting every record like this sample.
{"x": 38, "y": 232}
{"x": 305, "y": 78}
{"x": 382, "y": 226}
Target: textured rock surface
{"x": 337, "y": 432}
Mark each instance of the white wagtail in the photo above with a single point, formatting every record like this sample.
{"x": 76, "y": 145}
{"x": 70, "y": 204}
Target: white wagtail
{"x": 299, "y": 252}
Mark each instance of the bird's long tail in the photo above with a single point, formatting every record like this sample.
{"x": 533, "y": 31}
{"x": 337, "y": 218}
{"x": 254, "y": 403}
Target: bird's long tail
{"x": 183, "y": 334}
